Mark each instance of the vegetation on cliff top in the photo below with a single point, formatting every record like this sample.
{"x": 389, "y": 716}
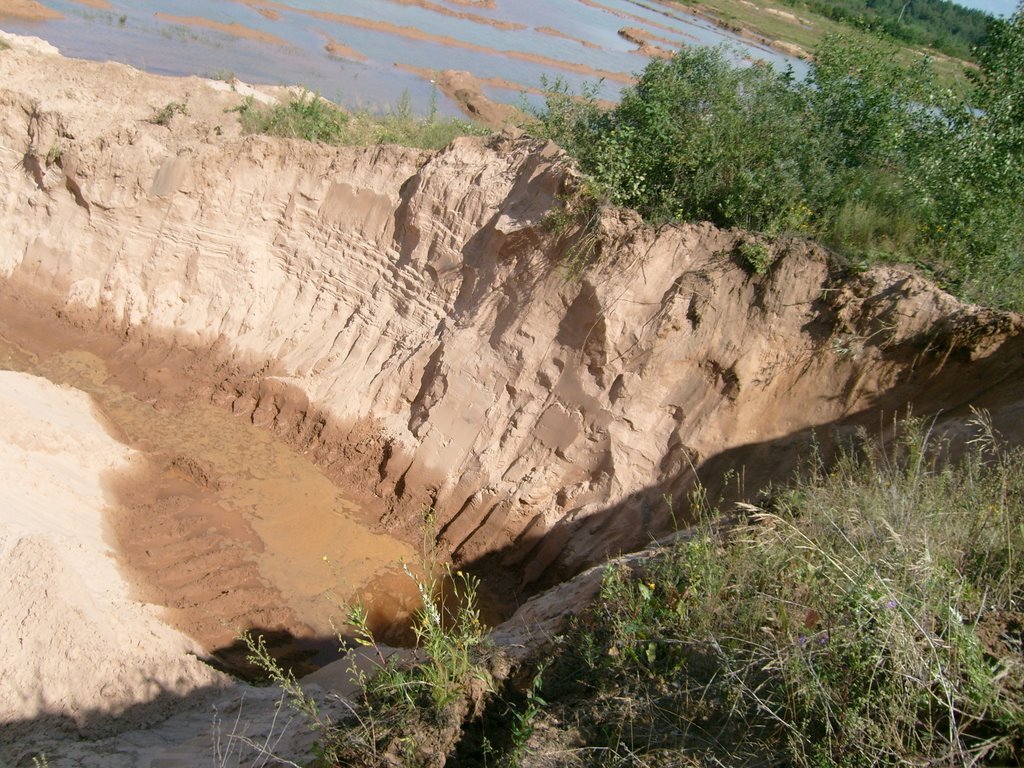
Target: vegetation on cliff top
{"x": 869, "y": 156}
{"x": 308, "y": 116}
{"x": 869, "y": 615}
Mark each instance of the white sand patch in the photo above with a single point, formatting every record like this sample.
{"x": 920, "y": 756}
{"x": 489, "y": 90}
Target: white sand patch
{"x": 75, "y": 649}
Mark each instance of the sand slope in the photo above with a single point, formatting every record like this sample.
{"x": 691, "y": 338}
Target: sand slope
{"x": 74, "y": 647}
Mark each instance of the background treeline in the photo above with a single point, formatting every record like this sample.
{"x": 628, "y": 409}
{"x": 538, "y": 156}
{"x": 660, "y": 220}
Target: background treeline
{"x": 866, "y": 155}
{"x": 943, "y": 25}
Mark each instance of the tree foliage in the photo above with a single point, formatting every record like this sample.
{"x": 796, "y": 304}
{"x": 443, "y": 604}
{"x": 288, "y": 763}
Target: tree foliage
{"x": 941, "y": 24}
{"x": 868, "y": 155}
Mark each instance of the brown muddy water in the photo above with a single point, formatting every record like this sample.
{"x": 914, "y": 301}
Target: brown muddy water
{"x": 225, "y": 526}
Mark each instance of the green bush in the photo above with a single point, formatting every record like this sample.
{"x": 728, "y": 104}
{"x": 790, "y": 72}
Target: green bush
{"x": 869, "y": 156}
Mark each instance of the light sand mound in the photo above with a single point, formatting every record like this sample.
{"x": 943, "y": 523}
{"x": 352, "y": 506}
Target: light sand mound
{"x": 74, "y": 647}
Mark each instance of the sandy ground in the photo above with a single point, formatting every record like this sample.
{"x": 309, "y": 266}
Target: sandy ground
{"x": 28, "y": 9}
{"x": 75, "y": 648}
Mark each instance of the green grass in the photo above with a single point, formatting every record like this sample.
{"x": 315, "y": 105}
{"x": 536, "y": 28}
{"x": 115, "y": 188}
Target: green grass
{"x": 410, "y": 711}
{"x": 950, "y": 69}
{"x": 308, "y": 116}
{"x": 854, "y": 621}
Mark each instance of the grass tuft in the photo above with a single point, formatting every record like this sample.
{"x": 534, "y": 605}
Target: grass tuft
{"x": 310, "y": 117}
{"x": 871, "y": 616}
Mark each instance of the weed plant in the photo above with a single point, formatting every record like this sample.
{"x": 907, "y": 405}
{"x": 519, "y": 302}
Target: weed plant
{"x": 410, "y": 712}
{"x": 871, "y": 616}
{"x": 310, "y": 117}
{"x": 165, "y": 114}
{"x": 868, "y": 155}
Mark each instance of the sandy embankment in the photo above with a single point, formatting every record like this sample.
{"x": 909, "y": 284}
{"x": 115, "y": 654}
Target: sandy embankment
{"x": 75, "y": 648}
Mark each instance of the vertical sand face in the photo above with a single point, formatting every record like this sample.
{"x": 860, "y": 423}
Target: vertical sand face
{"x": 75, "y": 648}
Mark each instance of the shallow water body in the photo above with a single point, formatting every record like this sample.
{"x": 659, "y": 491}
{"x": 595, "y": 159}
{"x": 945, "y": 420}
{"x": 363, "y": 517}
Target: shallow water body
{"x": 250, "y": 516}
{"x": 389, "y": 34}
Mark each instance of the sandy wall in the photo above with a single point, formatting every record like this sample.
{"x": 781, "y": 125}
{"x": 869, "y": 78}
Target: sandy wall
{"x": 406, "y": 317}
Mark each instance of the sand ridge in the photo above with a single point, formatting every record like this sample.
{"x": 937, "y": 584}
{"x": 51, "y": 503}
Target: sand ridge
{"x": 412, "y": 33}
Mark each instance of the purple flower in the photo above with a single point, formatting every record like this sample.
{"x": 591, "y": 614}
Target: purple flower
{"x": 823, "y": 639}
{"x": 891, "y": 604}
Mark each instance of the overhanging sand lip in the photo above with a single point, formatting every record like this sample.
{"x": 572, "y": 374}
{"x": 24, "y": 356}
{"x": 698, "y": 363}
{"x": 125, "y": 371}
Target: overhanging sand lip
{"x": 72, "y": 641}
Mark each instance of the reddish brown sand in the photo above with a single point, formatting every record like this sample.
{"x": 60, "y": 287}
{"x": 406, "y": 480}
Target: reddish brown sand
{"x": 466, "y": 90}
{"x": 235, "y": 29}
{"x": 29, "y": 10}
{"x": 475, "y": 18}
{"x": 411, "y": 33}
{"x": 103, "y": 5}
{"x": 558, "y": 33}
{"x": 342, "y": 51}
{"x": 632, "y": 17}
{"x": 642, "y": 39}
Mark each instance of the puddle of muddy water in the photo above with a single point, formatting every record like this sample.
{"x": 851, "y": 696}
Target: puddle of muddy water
{"x": 230, "y": 528}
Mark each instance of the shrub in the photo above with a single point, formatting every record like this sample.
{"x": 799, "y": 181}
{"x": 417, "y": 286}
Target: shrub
{"x": 165, "y": 114}
{"x": 411, "y": 711}
{"x": 869, "y": 156}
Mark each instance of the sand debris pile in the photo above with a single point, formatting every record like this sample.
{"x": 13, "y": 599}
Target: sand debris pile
{"x": 76, "y": 649}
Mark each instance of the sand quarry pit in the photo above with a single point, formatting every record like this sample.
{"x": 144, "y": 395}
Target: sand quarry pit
{"x": 225, "y": 358}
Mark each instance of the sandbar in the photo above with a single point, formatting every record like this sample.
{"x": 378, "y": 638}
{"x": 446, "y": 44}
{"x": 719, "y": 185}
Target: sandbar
{"x": 412, "y": 33}
{"x": 342, "y": 51}
{"x": 30, "y": 10}
{"x": 234, "y": 29}
{"x": 559, "y": 33}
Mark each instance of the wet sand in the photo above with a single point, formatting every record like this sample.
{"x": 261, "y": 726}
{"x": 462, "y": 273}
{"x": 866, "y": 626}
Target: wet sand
{"x": 466, "y": 90}
{"x": 475, "y": 18}
{"x": 222, "y": 524}
{"x": 342, "y": 51}
{"x": 29, "y": 10}
{"x": 234, "y": 29}
{"x": 552, "y": 32}
{"x": 633, "y": 17}
{"x": 645, "y": 42}
{"x": 412, "y": 33}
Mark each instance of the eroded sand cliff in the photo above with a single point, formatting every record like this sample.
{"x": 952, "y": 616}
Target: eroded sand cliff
{"x": 406, "y": 318}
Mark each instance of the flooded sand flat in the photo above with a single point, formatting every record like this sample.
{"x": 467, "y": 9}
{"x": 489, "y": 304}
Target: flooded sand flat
{"x": 383, "y": 43}
{"x": 227, "y": 527}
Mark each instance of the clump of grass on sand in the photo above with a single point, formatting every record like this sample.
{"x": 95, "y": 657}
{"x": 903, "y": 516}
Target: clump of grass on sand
{"x": 308, "y": 116}
{"x": 871, "y": 615}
